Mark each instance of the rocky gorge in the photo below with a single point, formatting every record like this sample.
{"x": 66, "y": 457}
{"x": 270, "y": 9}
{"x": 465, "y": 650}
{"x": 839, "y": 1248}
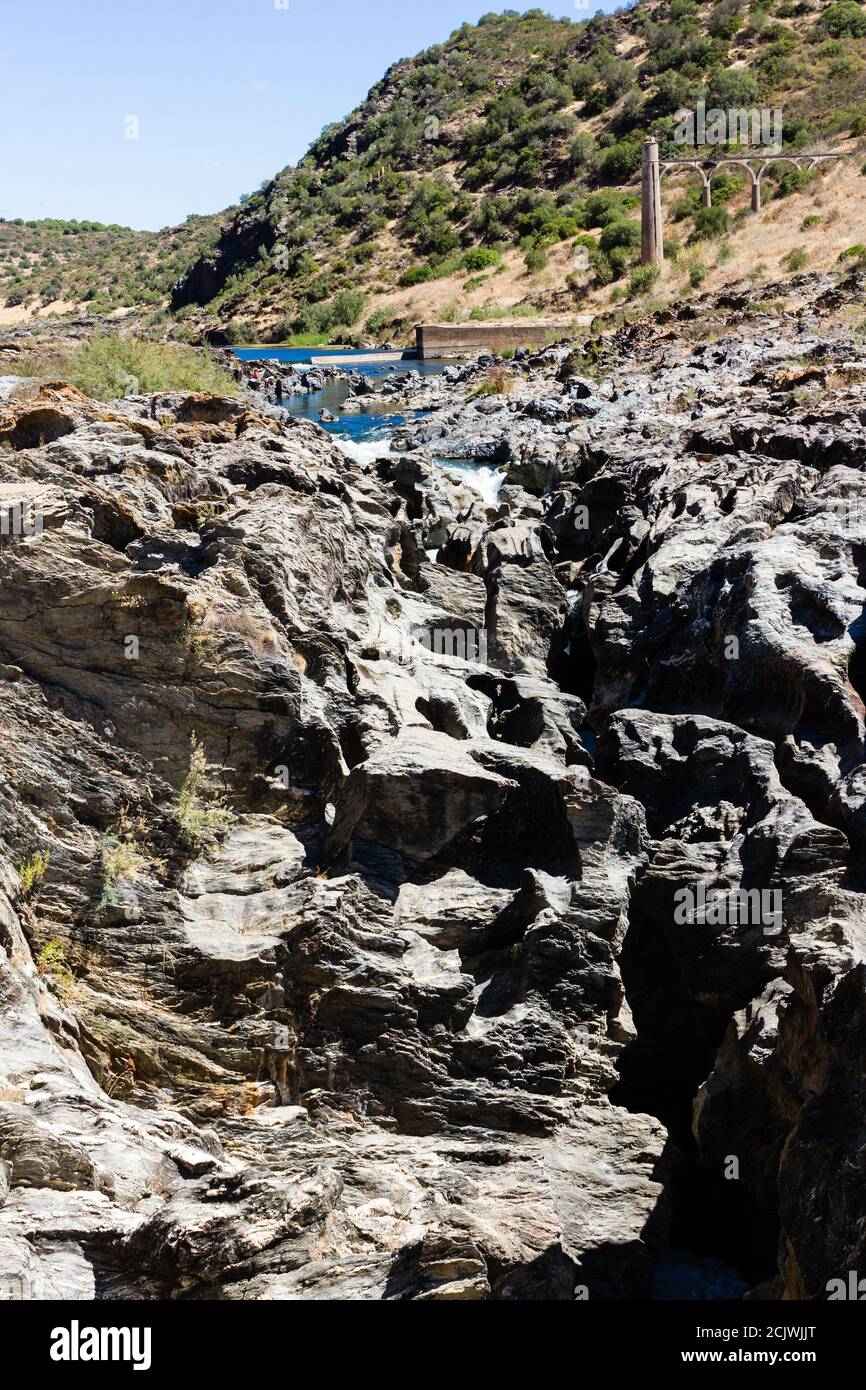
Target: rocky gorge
{"x": 346, "y": 817}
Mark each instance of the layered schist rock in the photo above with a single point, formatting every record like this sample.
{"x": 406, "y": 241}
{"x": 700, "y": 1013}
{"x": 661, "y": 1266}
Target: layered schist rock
{"x": 359, "y": 966}
{"x": 704, "y": 513}
{"x": 336, "y": 1015}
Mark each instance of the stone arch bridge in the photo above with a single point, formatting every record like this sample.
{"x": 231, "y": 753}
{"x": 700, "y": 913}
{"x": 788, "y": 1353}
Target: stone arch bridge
{"x": 652, "y": 247}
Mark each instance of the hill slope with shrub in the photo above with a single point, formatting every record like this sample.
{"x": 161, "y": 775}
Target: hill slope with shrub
{"x": 495, "y": 174}
{"x": 50, "y": 265}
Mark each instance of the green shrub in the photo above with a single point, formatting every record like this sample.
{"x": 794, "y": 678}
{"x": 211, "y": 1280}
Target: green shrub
{"x": 342, "y": 311}
{"x": 642, "y": 280}
{"x": 108, "y": 366}
{"x": 582, "y": 77}
{"x": 798, "y": 132}
{"x": 541, "y": 221}
{"x": 416, "y": 275}
{"x": 241, "y": 331}
{"x": 437, "y": 236}
{"x": 620, "y": 257}
{"x": 367, "y": 251}
{"x": 279, "y": 331}
{"x": 796, "y": 259}
{"x": 709, "y": 223}
{"x": 845, "y": 19}
{"x": 733, "y": 87}
{"x": 489, "y": 219}
{"x": 620, "y": 162}
{"x": 689, "y": 205}
{"x": 51, "y": 964}
{"x": 584, "y": 154}
{"x": 620, "y": 234}
{"x": 725, "y": 187}
{"x": 791, "y": 180}
{"x": 698, "y": 273}
{"x": 480, "y": 258}
{"x": 604, "y": 271}
{"x": 429, "y": 219}
{"x": 602, "y": 208}
{"x": 536, "y": 258}
{"x": 725, "y": 19}
{"x": 32, "y": 870}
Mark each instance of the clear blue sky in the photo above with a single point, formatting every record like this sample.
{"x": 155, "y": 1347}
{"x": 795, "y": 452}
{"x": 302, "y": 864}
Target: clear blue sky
{"x": 226, "y": 92}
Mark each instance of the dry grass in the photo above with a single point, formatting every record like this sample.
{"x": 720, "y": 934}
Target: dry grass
{"x": 109, "y": 366}
{"x": 258, "y": 635}
{"x": 496, "y": 382}
{"x": 204, "y": 821}
{"x": 122, "y": 857}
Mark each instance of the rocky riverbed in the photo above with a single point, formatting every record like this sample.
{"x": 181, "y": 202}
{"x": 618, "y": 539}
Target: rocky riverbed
{"x": 348, "y": 820}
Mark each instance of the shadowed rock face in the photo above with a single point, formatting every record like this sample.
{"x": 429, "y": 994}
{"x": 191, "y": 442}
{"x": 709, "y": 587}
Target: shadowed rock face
{"x": 358, "y": 969}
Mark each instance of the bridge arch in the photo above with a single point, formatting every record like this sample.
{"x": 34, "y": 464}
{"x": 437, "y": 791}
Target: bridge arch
{"x": 652, "y": 250}
{"x": 755, "y": 175}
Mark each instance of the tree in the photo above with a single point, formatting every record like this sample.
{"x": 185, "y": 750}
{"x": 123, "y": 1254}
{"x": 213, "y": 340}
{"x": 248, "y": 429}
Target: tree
{"x": 845, "y": 19}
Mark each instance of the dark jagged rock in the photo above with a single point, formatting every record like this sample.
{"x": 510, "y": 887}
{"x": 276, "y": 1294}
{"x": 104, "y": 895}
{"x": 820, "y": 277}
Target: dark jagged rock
{"x": 241, "y": 1057}
{"x": 358, "y": 836}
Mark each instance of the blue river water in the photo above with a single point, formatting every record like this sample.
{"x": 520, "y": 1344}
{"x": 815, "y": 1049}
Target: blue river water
{"x": 372, "y": 422}
{"x": 305, "y": 354}
{"x": 365, "y": 433}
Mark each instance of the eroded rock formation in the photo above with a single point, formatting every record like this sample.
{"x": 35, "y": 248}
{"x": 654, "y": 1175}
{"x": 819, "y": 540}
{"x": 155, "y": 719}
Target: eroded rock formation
{"x": 354, "y": 968}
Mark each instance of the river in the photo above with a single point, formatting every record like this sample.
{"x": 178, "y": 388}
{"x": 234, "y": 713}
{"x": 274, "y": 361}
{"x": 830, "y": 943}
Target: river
{"x": 366, "y": 433}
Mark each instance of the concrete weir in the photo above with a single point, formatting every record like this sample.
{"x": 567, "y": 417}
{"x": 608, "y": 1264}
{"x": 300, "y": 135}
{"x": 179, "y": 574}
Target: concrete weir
{"x": 358, "y": 359}
{"x": 453, "y": 339}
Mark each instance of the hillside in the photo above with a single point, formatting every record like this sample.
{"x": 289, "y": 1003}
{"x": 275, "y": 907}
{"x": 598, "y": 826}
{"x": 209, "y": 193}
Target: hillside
{"x": 465, "y": 181}
{"x": 52, "y": 266}
{"x": 495, "y": 174}
{"x": 433, "y": 803}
